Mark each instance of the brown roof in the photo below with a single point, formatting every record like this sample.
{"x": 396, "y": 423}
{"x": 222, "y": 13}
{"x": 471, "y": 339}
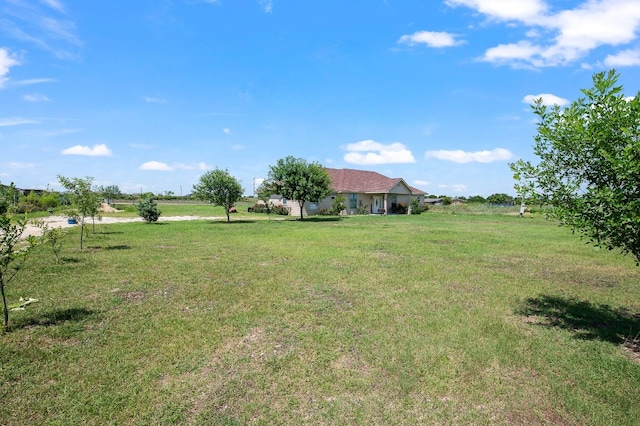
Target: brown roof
{"x": 350, "y": 180}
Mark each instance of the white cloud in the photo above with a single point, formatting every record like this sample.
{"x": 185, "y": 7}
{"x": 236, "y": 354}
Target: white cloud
{"x": 165, "y": 167}
{"x": 460, "y": 156}
{"x": 36, "y": 97}
{"x": 431, "y": 39}
{"x": 155, "y": 165}
{"x": 226, "y": 131}
{"x": 54, "y": 4}
{"x": 561, "y": 36}
{"x": 506, "y": 10}
{"x": 100, "y": 150}
{"x": 153, "y": 100}
{"x": 515, "y": 53}
{"x": 34, "y": 23}
{"x": 200, "y": 166}
{"x": 625, "y": 58}
{"x": 29, "y": 82}
{"x": 371, "y": 152}
{"x": 7, "y": 61}
{"x": 422, "y": 182}
{"x": 547, "y": 99}
{"x": 267, "y": 5}
{"x": 15, "y": 121}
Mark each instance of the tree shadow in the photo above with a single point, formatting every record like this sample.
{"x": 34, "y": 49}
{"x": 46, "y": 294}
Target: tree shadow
{"x": 108, "y": 232}
{"x": 320, "y": 219}
{"x": 232, "y": 222}
{"x": 51, "y": 318}
{"x": 116, "y": 247}
{"x": 586, "y": 320}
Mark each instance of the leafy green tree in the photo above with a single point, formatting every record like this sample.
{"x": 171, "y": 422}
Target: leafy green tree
{"x": 219, "y": 188}
{"x": 264, "y": 193}
{"x": 13, "y": 254}
{"x": 110, "y": 192}
{"x": 84, "y": 199}
{"x": 52, "y": 237}
{"x": 148, "y": 210}
{"x": 589, "y": 168}
{"x": 9, "y": 196}
{"x": 500, "y": 198}
{"x": 298, "y": 180}
{"x": 477, "y": 199}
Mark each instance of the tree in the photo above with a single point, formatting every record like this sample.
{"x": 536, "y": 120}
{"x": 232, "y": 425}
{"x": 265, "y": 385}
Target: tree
{"x": 477, "y": 199}
{"x": 298, "y": 180}
{"x": 148, "y": 210}
{"x": 83, "y": 198}
{"x": 110, "y": 192}
{"x": 13, "y": 254}
{"x": 264, "y": 193}
{"x": 500, "y": 198}
{"x": 589, "y": 168}
{"x": 219, "y": 188}
{"x": 9, "y": 196}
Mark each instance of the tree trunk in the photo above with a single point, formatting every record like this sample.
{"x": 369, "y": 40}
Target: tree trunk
{"x": 301, "y": 210}
{"x": 5, "y": 309}
{"x": 81, "y": 232}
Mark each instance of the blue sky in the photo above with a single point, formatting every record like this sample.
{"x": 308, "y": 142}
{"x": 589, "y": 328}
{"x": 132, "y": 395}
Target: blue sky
{"x": 149, "y": 94}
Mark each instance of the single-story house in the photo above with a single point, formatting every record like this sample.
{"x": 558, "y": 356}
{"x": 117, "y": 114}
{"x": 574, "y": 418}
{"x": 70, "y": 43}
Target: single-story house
{"x": 364, "y": 192}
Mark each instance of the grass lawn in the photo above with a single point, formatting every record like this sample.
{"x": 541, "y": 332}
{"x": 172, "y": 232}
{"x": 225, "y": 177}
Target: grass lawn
{"x": 437, "y": 318}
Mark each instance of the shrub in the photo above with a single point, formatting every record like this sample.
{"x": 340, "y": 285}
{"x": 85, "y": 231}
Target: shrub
{"x": 337, "y": 206}
{"x": 262, "y": 208}
{"x": 148, "y": 210}
{"x": 281, "y": 210}
{"x": 416, "y": 208}
{"x": 259, "y": 208}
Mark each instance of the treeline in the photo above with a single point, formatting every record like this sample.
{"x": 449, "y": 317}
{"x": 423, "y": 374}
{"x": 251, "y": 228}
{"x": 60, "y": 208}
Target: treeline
{"x": 18, "y": 201}
{"x": 496, "y": 199}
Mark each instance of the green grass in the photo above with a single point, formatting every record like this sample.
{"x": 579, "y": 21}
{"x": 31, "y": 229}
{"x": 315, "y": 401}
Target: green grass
{"x": 446, "y": 319}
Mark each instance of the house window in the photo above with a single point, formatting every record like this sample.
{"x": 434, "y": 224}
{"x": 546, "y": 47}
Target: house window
{"x": 394, "y": 199}
{"x": 353, "y": 201}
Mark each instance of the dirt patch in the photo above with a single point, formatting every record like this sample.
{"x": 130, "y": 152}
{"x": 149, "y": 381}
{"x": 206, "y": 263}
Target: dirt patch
{"x": 108, "y": 209}
{"x": 62, "y": 222}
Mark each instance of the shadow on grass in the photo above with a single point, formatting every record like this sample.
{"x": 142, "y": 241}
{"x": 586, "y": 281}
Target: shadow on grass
{"x": 586, "y": 320}
{"x": 108, "y": 232}
{"x": 53, "y": 317}
{"x": 320, "y": 219}
{"x": 232, "y": 222}
{"x": 118, "y": 247}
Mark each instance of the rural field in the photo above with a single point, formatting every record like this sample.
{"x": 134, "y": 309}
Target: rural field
{"x": 438, "y": 318}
